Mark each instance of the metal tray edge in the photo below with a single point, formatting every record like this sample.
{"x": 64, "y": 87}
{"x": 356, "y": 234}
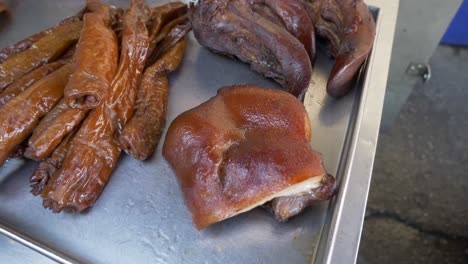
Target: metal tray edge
{"x": 340, "y": 235}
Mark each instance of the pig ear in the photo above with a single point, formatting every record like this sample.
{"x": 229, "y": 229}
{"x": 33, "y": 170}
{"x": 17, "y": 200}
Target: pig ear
{"x": 350, "y": 30}
{"x": 236, "y": 30}
{"x": 296, "y": 20}
{"x": 345, "y": 71}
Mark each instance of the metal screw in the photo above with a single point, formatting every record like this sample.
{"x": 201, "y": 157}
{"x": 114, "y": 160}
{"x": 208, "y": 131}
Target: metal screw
{"x": 420, "y": 69}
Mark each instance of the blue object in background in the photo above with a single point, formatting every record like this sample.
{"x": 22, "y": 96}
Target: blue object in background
{"x": 457, "y": 32}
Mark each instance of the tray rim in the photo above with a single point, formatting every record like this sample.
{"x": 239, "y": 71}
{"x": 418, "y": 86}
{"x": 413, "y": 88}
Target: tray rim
{"x": 339, "y": 241}
{"x": 341, "y": 233}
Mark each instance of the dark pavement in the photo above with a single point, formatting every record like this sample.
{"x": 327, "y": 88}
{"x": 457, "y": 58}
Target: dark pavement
{"x": 417, "y": 210}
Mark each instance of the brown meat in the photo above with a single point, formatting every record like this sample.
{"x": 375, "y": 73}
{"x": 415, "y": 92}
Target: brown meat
{"x": 133, "y": 57}
{"x": 18, "y": 152}
{"x": 160, "y": 16}
{"x": 93, "y": 152}
{"x": 48, "y": 167}
{"x": 50, "y": 131}
{"x": 286, "y": 207}
{"x": 45, "y": 50}
{"x": 177, "y": 33}
{"x": 117, "y": 14}
{"x": 165, "y": 30}
{"x": 96, "y": 59}
{"x": 87, "y": 165}
{"x": 28, "y": 42}
{"x": 19, "y": 116}
{"x": 29, "y": 79}
{"x": 21, "y": 45}
{"x": 142, "y": 133}
{"x": 233, "y": 28}
{"x": 296, "y": 20}
{"x": 69, "y": 54}
{"x": 260, "y": 8}
{"x": 350, "y": 29}
{"x": 3, "y": 7}
{"x": 241, "y": 149}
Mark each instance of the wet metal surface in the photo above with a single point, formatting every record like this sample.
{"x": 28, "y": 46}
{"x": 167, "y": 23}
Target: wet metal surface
{"x": 141, "y": 216}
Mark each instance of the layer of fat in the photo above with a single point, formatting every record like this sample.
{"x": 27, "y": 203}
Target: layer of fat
{"x": 297, "y": 188}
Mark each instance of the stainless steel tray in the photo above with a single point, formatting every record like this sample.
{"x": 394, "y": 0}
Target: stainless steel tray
{"x": 141, "y": 217}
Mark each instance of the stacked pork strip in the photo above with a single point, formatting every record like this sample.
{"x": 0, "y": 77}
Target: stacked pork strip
{"x": 68, "y": 98}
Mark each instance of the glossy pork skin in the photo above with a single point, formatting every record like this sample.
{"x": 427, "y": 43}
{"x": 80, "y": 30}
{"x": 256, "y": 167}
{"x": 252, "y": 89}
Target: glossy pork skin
{"x": 162, "y": 16}
{"x": 45, "y": 50}
{"x": 86, "y": 167}
{"x": 29, "y": 41}
{"x": 19, "y": 116}
{"x": 233, "y": 28}
{"x": 169, "y": 35}
{"x": 28, "y": 80}
{"x": 50, "y": 131}
{"x": 49, "y": 166}
{"x": 238, "y": 149}
{"x": 96, "y": 59}
{"x": 94, "y": 151}
{"x": 141, "y": 134}
{"x": 349, "y": 28}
